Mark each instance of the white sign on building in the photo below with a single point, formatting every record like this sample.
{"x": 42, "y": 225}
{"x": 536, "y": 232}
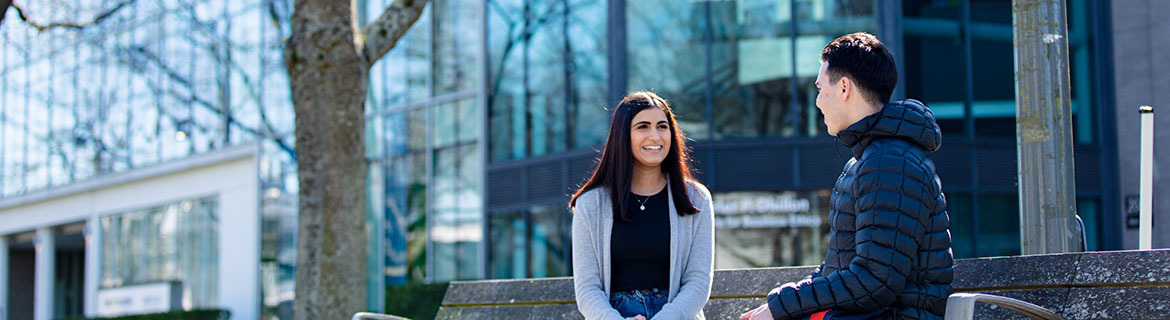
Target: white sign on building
{"x": 753, "y": 210}
{"x": 139, "y": 299}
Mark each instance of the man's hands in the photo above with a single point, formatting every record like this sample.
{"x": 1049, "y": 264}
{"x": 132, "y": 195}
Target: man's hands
{"x": 762, "y": 312}
{"x": 637, "y": 317}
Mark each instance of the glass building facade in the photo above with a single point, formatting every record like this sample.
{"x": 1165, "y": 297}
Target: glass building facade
{"x": 525, "y": 86}
{"x": 426, "y": 146}
{"x": 487, "y": 115}
{"x": 153, "y": 82}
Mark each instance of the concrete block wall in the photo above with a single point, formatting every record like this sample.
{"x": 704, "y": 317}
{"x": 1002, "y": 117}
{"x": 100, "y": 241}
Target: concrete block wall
{"x": 1094, "y": 285}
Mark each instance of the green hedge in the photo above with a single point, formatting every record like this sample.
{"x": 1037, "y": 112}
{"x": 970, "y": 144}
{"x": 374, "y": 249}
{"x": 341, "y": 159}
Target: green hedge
{"x": 203, "y": 314}
{"x": 415, "y": 301}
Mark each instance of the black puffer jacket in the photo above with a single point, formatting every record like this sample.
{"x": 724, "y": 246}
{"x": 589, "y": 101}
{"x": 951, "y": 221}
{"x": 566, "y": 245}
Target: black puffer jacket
{"x": 889, "y": 245}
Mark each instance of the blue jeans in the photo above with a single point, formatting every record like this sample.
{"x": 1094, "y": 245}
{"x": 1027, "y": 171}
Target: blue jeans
{"x": 645, "y": 302}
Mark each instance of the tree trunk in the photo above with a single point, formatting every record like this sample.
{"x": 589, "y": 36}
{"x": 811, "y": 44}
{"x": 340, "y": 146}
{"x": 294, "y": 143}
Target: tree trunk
{"x": 328, "y": 62}
{"x": 328, "y": 74}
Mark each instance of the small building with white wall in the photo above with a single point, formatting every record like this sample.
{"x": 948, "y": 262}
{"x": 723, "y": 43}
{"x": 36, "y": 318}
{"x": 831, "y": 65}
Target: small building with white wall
{"x": 183, "y": 234}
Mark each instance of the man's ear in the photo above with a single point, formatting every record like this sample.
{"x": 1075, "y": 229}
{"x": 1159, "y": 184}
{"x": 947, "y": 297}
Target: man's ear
{"x": 846, "y": 85}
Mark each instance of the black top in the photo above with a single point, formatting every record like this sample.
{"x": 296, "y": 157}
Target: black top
{"x": 640, "y": 249}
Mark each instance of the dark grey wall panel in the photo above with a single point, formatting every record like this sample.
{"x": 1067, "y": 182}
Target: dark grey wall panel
{"x": 997, "y": 168}
{"x": 952, "y": 163}
{"x": 821, "y": 163}
{"x": 504, "y": 187}
{"x": 780, "y": 164}
{"x": 545, "y": 179}
{"x": 1087, "y": 163}
{"x": 764, "y": 167}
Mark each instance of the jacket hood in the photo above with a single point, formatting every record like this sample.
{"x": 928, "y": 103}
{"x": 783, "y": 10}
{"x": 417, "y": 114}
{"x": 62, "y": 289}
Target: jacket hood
{"x": 908, "y": 120}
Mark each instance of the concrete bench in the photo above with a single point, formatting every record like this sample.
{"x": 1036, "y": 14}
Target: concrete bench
{"x": 1093, "y": 285}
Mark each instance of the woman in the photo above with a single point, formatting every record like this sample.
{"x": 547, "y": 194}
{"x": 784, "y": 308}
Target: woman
{"x": 642, "y": 226}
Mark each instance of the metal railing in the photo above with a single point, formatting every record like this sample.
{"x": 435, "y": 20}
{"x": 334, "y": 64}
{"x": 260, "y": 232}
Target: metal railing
{"x": 376, "y": 316}
{"x": 961, "y": 306}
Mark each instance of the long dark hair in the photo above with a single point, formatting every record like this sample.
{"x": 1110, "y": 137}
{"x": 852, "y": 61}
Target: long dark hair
{"x": 615, "y": 166}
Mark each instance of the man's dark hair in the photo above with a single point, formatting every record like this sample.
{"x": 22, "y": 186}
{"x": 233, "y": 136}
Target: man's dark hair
{"x": 863, "y": 58}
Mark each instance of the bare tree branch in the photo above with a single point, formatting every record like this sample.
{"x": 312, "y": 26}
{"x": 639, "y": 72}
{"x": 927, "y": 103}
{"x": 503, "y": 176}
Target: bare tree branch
{"x": 280, "y": 12}
{"x": 68, "y": 25}
{"x": 268, "y": 131}
{"x": 383, "y": 33}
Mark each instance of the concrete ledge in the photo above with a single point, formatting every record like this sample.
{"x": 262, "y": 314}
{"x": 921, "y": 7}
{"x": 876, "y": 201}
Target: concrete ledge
{"x": 1089, "y": 303}
{"x": 1092, "y": 285}
{"x": 1061, "y": 270}
{"x": 556, "y": 311}
{"x": 510, "y": 292}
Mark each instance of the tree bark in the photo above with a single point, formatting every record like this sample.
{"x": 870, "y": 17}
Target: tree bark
{"x": 383, "y": 33}
{"x": 328, "y": 63}
{"x": 328, "y": 77}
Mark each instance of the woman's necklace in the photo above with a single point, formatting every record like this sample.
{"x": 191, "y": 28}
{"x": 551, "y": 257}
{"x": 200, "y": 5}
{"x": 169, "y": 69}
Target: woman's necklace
{"x": 642, "y": 203}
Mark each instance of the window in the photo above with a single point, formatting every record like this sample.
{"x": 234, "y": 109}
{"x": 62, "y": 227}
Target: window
{"x": 173, "y": 242}
{"x": 548, "y": 76}
{"x": 531, "y": 243}
{"x": 667, "y": 54}
{"x": 508, "y": 245}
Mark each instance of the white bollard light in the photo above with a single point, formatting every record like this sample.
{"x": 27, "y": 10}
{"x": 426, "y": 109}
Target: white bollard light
{"x": 1146, "y": 218}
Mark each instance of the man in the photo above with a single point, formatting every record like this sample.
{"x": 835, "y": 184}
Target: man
{"x": 889, "y": 246}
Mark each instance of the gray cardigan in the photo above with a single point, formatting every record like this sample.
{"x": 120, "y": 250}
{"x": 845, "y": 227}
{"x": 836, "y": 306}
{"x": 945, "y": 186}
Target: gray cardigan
{"x": 691, "y": 255}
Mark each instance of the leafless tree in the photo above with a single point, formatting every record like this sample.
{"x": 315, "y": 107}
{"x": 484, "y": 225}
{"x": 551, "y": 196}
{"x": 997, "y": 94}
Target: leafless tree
{"x": 329, "y": 59}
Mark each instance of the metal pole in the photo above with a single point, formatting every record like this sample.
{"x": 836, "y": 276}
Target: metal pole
{"x": 484, "y": 131}
{"x": 618, "y": 62}
{"x": 3, "y": 277}
{"x": 794, "y": 88}
{"x": 1044, "y": 141}
{"x": 708, "y": 38}
{"x": 1146, "y": 198}
{"x": 969, "y": 123}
